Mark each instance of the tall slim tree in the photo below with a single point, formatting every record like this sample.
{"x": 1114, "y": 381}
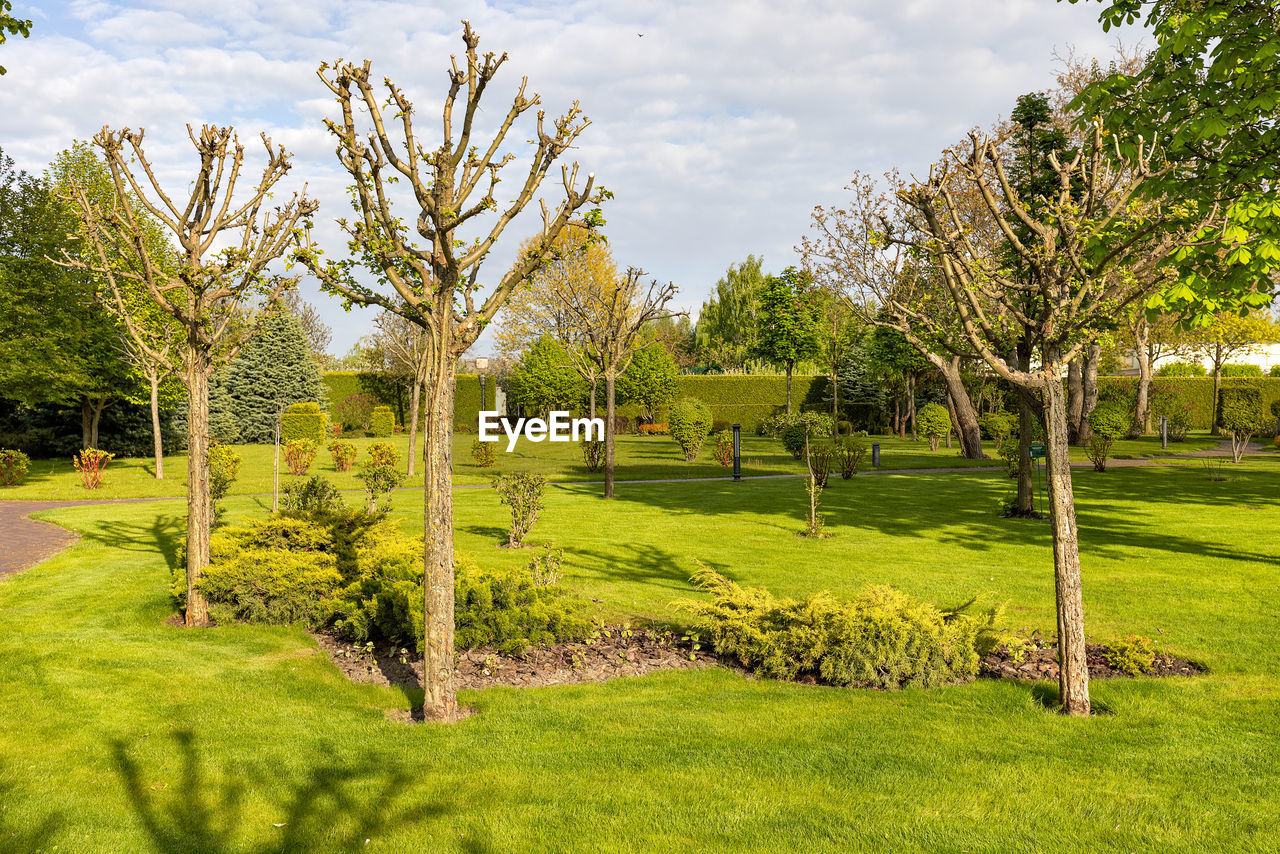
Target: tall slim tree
{"x": 729, "y": 320}
{"x": 226, "y": 244}
{"x": 790, "y": 317}
{"x": 1088, "y": 255}
{"x": 436, "y": 283}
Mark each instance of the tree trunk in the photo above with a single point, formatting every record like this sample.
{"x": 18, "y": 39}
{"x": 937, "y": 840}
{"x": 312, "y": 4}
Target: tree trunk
{"x": 1026, "y": 432}
{"x": 963, "y": 414}
{"x": 1217, "y": 394}
{"x": 439, "y": 698}
{"x": 897, "y": 415}
{"x": 610, "y": 395}
{"x": 157, "y": 441}
{"x": 199, "y": 505}
{"x": 1142, "y": 415}
{"x": 591, "y": 405}
{"x": 415, "y": 412}
{"x": 911, "y": 406}
{"x": 1073, "y": 680}
{"x": 1089, "y": 385}
{"x": 790, "y": 365}
{"x": 86, "y": 422}
{"x": 99, "y": 404}
{"x": 1075, "y": 401}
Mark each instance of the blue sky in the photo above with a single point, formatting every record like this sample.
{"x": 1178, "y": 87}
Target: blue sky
{"x": 719, "y": 130}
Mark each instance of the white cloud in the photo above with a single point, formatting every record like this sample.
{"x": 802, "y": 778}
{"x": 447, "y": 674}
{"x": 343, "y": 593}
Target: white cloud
{"x": 718, "y": 130}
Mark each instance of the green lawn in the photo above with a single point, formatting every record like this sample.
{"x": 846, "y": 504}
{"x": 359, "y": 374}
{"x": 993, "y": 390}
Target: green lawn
{"x": 638, "y": 458}
{"x": 118, "y": 733}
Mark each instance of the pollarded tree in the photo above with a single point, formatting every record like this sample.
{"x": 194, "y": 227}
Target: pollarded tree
{"x": 432, "y": 270}
{"x": 608, "y": 323}
{"x": 1090, "y": 250}
{"x": 578, "y": 259}
{"x": 225, "y": 243}
{"x": 850, "y": 257}
{"x": 790, "y": 319}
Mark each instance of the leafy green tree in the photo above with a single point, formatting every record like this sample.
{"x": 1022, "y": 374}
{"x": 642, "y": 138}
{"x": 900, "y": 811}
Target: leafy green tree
{"x": 149, "y": 338}
{"x": 544, "y": 378}
{"x": 1207, "y": 96}
{"x": 57, "y": 344}
{"x": 650, "y": 380}
{"x": 728, "y": 323}
{"x": 272, "y": 371}
{"x": 790, "y": 316}
{"x": 11, "y": 26}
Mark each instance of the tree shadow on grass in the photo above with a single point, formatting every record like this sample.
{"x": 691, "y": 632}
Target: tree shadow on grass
{"x": 15, "y": 838}
{"x": 961, "y": 510}
{"x": 639, "y": 563}
{"x": 163, "y": 533}
{"x": 336, "y": 807}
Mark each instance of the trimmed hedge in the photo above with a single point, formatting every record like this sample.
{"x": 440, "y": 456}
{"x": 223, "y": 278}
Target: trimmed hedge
{"x": 750, "y": 399}
{"x": 466, "y": 399}
{"x": 1197, "y": 392}
{"x": 304, "y": 421}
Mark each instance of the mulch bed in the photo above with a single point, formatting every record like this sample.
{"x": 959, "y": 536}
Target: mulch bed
{"x": 1041, "y": 662}
{"x": 621, "y": 652}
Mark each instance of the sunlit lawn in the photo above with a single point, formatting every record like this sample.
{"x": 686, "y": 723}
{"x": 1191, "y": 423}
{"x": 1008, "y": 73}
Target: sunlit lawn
{"x": 118, "y": 733}
{"x": 638, "y": 458}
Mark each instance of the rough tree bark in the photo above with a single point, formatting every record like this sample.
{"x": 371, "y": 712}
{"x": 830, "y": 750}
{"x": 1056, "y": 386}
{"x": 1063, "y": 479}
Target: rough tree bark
{"x": 440, "y": 702}
{"x": 964, "y": 415}
{"x": 1073, "y": 668}
{"x": 1075, "y": 401}
{"x": 199, "y": 504}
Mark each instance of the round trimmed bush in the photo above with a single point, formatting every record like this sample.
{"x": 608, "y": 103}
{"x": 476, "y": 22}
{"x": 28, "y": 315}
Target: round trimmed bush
{"x": 689, "y": 424}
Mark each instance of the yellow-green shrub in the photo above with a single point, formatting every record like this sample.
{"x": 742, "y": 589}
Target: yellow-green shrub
{"x": 882, "y": 638}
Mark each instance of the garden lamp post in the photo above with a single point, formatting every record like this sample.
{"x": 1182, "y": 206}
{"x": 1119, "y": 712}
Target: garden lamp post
{"x": 481, "y": 364}
{"x": 737, "y": 452}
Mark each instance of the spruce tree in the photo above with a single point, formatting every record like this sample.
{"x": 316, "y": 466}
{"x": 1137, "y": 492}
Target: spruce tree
{"x": 274, "y": 370}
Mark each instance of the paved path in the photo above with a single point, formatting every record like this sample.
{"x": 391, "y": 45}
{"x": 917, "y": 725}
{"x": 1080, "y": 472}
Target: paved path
{"x": 25, "y": 542}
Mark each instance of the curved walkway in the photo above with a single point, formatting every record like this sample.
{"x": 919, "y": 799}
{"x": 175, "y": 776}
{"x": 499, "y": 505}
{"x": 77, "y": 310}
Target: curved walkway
{"x": 25, "y": 542}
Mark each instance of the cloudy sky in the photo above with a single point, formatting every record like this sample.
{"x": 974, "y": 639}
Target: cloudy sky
{"x": 718, "y": 130}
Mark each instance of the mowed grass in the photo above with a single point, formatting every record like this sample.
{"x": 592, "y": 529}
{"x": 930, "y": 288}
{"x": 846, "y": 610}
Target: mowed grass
{"x": 119, "y": 733}
{"x": 638, "y": 458}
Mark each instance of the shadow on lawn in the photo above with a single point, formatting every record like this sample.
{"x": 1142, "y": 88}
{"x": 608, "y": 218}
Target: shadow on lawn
{"x": 12, "y": 837}
{"x": 164, "y": 532}
{"x": 961, "y": 509}
{"x": 336, "y": 807}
